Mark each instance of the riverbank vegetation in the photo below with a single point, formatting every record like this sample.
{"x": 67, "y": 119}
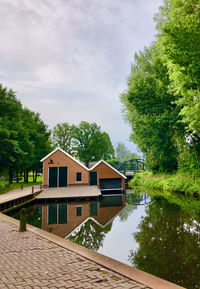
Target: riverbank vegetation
{"x": 181, "y": 182}
{"x": 162, "y": 101}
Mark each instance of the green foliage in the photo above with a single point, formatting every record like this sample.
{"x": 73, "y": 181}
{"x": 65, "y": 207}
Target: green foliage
{"x": 150, "y": 109}
{"x": 85, "y": 141}
{"x": 162, "y": 101}
{"x": 62, "y": 136}
{"x": 123, "y": 154}
{"x": 24, "y": 138}
{"x": 179, "y": 40}
{"x": 180, "y": 182}
{"x": 90, "y": 143}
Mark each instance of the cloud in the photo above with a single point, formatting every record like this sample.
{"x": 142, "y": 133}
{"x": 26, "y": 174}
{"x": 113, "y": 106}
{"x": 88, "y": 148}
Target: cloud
{"x": 69, "y": 60}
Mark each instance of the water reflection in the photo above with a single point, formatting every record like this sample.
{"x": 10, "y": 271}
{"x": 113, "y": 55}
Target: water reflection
{"x": 169, "y": 244}
{"x": 159, "y": 237}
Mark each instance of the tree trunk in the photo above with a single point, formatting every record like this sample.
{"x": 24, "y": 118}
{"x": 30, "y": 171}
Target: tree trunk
{"x": 35, "y": 179}
{"x": 17, "y": 175}
{"x": 33, "y": 176}
{"x": 26, "y": 176}
{"x": 10, "y": 176}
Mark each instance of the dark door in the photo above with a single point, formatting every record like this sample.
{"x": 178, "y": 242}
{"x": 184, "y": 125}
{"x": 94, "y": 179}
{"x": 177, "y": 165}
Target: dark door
{"x": 106, "y": 184}
{"x": 93, "y": 178}
{"x": 53, "y": 177}
{"x": 62, "y": 176}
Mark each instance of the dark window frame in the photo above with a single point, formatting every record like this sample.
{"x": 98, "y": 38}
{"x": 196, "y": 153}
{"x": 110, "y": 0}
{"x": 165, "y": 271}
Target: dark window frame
{"x": 78, "y": 174}
{"x": 79, "y": 214}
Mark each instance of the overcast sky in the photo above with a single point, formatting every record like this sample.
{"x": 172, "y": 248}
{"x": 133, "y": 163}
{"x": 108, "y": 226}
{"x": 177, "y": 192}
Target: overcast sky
{"x": 69, "y": 59}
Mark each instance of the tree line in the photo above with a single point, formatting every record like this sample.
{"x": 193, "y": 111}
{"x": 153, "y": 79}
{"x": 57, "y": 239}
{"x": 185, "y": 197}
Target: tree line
{"x": 162, "y": 102}
{"x": 25, "y": 139}
{"x": 89, "y": 143}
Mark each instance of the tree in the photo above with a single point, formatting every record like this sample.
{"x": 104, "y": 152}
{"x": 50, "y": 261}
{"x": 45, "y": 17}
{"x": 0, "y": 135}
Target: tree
{"x": 24, "y": 138}
{"x": 179, "y": 42}
{"x": 123, "y": 154}
{"x": 151, "y": 110}
{"x": 90, "y": 144}
{"x": 11, "y": 131}
{"x": 62, "y": 136}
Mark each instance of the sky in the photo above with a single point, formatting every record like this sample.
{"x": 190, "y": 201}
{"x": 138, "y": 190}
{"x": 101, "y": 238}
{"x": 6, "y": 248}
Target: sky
{"x": 69, "y": 60}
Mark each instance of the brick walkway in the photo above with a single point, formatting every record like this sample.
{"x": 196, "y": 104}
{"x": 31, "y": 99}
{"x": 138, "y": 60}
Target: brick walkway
{"x": 17, "y": 193}
{"x": 29, "y": 261}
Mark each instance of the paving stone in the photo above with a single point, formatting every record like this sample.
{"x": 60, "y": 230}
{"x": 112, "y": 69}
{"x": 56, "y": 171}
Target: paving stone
{"x": 29, "y": 261}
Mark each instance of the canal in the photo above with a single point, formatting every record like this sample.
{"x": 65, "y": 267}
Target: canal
{"x": 154, "y": 234}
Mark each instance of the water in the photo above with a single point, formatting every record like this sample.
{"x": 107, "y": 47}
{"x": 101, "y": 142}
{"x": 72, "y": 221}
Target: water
{"x": 155, "y": 235}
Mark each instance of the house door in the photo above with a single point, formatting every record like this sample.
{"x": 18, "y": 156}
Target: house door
{"x": 93, "y": 178}
{"x": 53, "y": 177}
{"x": 62, "y": 176}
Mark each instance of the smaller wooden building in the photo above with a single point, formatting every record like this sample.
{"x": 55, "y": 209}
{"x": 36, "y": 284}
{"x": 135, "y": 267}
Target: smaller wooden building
{"x": 60, "y": 169}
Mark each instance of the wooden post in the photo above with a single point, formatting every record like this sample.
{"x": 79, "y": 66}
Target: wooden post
{"x": 22, "y": 226}
{"x": 21, "y": 187}
{"x": 32, "y": 190}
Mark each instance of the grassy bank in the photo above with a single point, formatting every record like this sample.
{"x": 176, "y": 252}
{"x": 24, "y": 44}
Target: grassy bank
{"x": 5, "y": 186}
{"x": 178, "y": 183}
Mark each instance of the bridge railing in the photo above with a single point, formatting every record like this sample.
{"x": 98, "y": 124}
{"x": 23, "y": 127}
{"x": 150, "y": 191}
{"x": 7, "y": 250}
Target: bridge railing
{"x": 134, "y": 165}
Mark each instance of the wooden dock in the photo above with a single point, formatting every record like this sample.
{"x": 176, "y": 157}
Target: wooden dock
{"x": 76, "y": 191}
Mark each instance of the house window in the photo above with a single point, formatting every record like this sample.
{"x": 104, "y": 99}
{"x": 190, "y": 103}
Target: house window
{"x": 79, "y": 211}
{"x": 78, "y": 177}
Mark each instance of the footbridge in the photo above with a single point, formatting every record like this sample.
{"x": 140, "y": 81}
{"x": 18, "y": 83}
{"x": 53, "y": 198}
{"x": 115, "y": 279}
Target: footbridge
{"x": 131, "y": 167}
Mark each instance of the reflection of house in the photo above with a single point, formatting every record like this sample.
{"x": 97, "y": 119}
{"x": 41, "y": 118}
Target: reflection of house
{"x": 61, "y": 170}
{"x": 63, "y": 218}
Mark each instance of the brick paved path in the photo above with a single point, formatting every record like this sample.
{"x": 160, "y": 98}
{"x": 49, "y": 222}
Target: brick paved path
{"x": 29, "y": 261}
{"x": 17, "y": 193}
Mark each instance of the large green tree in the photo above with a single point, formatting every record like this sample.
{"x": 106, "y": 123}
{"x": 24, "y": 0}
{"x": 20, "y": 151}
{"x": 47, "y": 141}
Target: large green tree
{"x": 179, "y": 42}
{"x": 151, "y": 110}
{"x": 11, "y": 130}
{"x": 85, "y": 141}
{"x": 24, "y": 138}
{"x": 90, "y": 143}
{"x": 62, "y": 136}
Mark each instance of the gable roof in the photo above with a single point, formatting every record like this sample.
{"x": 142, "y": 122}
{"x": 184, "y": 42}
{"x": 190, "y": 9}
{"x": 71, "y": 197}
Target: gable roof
{"x": 102, "y": 161}
{"x": 58, "y": 148}
{"x": 94, "y": 220}
{"x": 82, "y": 165}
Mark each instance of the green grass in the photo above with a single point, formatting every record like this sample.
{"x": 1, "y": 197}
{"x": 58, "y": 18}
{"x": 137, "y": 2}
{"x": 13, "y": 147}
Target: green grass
{"x": 179, "y": 182}
{"x": 5, "y": 186}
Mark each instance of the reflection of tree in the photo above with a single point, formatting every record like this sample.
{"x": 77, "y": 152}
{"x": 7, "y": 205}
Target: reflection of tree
{"x": 34, "y": 216}
{"x": 126, "y": 212}
{"x": 169, "y": 245}
{"x": 90, "y": 235}
{"x": 131, "y": 204}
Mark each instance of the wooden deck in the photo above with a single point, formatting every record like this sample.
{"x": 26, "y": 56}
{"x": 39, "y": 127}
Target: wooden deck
{"x": 76, "y": 191}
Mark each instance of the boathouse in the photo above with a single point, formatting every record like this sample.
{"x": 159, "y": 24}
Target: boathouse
{"x": 60, "y": 169}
